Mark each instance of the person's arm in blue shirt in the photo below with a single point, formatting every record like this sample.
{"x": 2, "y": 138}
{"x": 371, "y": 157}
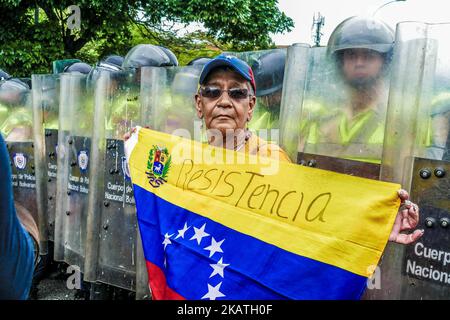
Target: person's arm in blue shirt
{"x": 16, "y": 245}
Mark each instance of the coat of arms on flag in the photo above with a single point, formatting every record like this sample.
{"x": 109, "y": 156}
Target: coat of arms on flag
{"x": 158, "y": 165}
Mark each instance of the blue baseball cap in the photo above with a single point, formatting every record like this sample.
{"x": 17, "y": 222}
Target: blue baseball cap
{"x": 226, "y": 60}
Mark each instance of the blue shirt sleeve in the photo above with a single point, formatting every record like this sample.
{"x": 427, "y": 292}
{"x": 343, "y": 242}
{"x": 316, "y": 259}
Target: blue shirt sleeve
{"x": 16, "y": 245}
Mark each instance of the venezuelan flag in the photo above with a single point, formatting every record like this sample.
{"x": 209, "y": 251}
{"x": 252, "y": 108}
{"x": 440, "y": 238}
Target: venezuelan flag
{"x": 252, "y": 228}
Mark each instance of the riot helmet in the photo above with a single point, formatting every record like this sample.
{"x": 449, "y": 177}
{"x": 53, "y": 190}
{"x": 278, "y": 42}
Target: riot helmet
{"x": 79, "y": 67}
{"x": 363, "y": 37}
{"x": 103, "y": 66}
{"x": 58, "y": 66}
{"x": 361, "y": 32}
{"x": 27, "y": 81}
{"x": 114, "y": 60}
{"x": 199, "y": 61}
{"x": 146, "y": 55}
{"x": 269, "y": 72}
{"x": 171, "y": 55}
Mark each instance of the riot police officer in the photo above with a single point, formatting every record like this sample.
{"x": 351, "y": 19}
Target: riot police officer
{"x": 80, "y": 67}
{"x": 361, "y": 51}
{"x": 142, "y": 55}
{"x": 114, "y": 60}
{"x": 149, "y": 55}
{"x": 269, "y": 73}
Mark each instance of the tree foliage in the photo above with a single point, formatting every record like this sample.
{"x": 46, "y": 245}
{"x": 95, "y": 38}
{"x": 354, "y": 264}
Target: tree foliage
{"x": 34, "y": 33}
{"x": 245, "y": 24}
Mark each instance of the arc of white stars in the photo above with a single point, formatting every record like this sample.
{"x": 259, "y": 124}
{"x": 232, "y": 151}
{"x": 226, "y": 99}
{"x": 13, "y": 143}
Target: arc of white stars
{"x": 213, "y": 292}
{"x": 199, "y": 234}
{"x": 218, "y": 268}
{"x": 167, "y": 241}
{"x": 181, "y": 232}
{"x": 214, "y": 247}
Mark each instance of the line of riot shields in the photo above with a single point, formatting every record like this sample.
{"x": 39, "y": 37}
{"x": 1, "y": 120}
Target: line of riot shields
{"x": 69, "y": 169}
{"x": 82, "y": 177}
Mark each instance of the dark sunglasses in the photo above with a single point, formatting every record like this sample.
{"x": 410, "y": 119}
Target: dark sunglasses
{"x": 215, "y": 93}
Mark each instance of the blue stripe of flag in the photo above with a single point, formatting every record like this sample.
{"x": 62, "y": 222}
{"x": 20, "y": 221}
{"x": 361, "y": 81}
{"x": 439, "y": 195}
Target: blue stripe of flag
{"x": 257, "y": 270}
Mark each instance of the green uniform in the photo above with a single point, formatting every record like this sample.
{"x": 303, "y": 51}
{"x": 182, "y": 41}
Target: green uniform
{"x": 264, "y": 118}
{"x": 329, "y": 132}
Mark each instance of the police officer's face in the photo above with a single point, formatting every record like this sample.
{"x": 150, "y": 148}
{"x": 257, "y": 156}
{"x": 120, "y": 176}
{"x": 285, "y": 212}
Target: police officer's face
{"x": 225, "y": 112}
{"x": 361, "y": 66}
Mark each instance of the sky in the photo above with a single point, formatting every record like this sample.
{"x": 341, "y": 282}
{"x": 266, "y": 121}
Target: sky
{"x": 335, "y": 11}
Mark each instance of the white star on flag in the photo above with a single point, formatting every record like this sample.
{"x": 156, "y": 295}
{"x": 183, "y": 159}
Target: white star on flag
{"x": 199, "y": 234}
{"x": 213, "y": 292}
{"x": 181, "y": 232}
{"x": 214, "y": 247}
{"x": 167, "y": 240}
{"x": 218, "y": 268}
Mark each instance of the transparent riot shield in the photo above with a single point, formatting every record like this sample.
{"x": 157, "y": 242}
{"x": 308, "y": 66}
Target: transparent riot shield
{"x": 297, "y": 66}
{"x": 416, "y": 154}
{"x": 111, "y": 233}
{"x": 268, "y": 68}
{"x": 16, "y": 125}
{"x": 168, "y": 103}
{"x": 336, "y": 122}
{"x": 162, "y": 98}
{"x": 45, "y": 90}
{"x": 73, "y": 159}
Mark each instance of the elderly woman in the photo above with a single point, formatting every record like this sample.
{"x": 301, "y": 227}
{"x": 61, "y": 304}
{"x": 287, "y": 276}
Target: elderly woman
{"x": 226, "y": 100}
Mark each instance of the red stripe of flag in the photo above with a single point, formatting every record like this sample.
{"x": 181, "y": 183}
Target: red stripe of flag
{"x": 158, "y": 284}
